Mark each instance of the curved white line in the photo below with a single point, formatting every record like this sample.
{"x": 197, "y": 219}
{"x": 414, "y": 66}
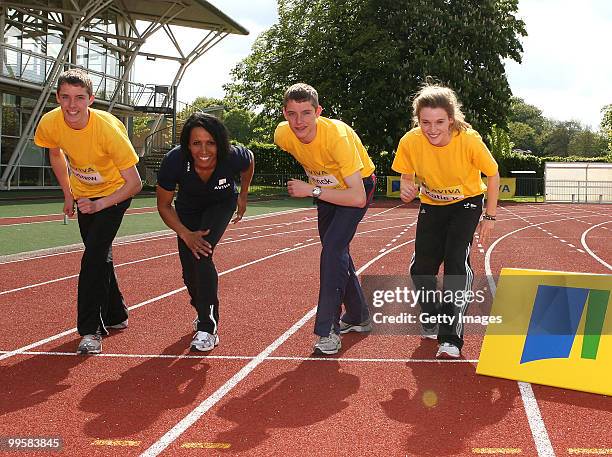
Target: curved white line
{"x": 586, "y": 247}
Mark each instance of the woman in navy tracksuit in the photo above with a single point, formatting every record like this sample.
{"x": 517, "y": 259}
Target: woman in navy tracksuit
{"x": 203, "y": 167}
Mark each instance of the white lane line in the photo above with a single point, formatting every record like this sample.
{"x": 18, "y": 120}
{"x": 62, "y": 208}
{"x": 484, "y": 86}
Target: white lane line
{"x": 31, "y": 255}
{"x": 176, "y": 431}
{"x": 159, "y": 297}
{"x": 73, "y": 219}
{"x": 247, "y": 357}
{"x": 63, "y": 278}
{"x": 175, "y": 252}
{"x": 534, "y": 416}
{"x": 587, "y": 249}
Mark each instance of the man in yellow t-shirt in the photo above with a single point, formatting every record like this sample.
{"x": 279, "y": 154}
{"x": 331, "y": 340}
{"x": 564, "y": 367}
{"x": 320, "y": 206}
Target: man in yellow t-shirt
{"x": 95, "y": 165}
{"x": 342, "y": 182}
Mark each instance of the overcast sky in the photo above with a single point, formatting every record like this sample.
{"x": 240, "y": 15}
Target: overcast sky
{"x": 566, "y": 69}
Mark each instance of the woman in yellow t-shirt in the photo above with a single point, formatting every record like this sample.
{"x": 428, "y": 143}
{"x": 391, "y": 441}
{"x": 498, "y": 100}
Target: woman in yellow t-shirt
{"x": 447, "y": 157}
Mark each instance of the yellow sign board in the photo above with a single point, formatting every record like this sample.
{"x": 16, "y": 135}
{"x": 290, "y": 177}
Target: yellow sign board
{"x": 554, "y": 328}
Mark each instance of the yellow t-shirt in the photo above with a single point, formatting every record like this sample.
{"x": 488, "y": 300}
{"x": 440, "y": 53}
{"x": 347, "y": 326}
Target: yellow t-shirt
{"x": 335, "y": 153}
{"x": 448, "y": 173}
{"x": 95, "y": 154}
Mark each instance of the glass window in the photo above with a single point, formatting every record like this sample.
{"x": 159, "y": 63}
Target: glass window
{"x": 32, "y": 155}
{"x": 82, "y": 53}
{"x": 9, "y": 100}
{"x": 10, "y": 121}
{"x": 49, "y": 177}
{"x": 7, "y": 146}
{"x": 97, "y": 58}
{"x": 30, "y": 176}
{"x": 54, "y": 45}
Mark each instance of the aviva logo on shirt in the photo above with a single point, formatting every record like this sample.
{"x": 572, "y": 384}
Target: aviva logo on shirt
{"x": 556, "y": 330}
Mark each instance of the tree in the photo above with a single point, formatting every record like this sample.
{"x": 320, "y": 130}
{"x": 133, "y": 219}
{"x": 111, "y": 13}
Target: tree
{"x": 606, "y": 125}
{"x": 587, "y": 144}
{"x": 556, "y": 142}
{"x": 526, "y": 114}
{"x": 367, "y": 58}
{"x": 239, "y": 123}
{"x": 523, "y": 136}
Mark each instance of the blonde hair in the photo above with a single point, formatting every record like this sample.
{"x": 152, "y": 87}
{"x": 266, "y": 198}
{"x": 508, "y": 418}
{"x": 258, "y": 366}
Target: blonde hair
{"x": 437, "y": 96}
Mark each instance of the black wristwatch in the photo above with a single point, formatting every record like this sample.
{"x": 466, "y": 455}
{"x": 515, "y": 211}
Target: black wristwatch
{"x": 316, "y": 192}
{"x": 488, "y": 217}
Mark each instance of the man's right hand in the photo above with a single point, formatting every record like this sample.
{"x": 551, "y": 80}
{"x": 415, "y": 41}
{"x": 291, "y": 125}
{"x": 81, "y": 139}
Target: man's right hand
{"x": 197, "y": 244}
{"x": 69, "y": 205}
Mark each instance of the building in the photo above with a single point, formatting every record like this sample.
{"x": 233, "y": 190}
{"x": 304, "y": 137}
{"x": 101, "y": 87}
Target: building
{"x": 42, "y": 38}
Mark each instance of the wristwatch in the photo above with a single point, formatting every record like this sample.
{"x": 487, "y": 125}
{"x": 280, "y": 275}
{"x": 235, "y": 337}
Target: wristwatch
{"x": 316, "y": 192}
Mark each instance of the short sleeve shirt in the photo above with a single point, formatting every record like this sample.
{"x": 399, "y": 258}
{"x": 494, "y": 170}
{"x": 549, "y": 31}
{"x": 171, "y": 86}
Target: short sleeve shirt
{"x": 448, "y": 173}
{"x": 95, "y": 154}
{"x": 335, "y": 153}
{"x": 194, "y": 195}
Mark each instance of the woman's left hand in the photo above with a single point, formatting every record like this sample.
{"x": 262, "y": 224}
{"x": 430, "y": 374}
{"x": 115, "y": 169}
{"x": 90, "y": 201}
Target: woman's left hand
{"x": 241, "y": 208}
{"x": 485, "y": 229}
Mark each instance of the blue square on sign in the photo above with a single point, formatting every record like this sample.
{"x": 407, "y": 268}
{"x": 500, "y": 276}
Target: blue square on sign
{"x": 395, "y": 186}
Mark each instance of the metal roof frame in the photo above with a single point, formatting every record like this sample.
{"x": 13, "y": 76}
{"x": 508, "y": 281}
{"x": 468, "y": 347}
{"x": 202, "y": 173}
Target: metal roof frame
{"x": 71, "y": 18}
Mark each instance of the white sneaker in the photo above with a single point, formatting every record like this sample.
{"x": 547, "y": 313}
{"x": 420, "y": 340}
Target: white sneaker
{"x": 204, "y": 341}
{"x": 90, "y": 344}
{"x": 328, "y": 344}
{"x": 448, "y": 351}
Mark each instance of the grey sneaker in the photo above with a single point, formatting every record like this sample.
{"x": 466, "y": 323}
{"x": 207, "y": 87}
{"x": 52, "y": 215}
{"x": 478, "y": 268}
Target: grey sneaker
{"x": 90, "y": 344}
{"x": 429, "y": 333}
{"x": 365, "y": 326}
{"x": 448, "y": 351}
{"x": 120, "y": 325}
{"x": 328, "y": 344}
{"x": 204, "y": 341}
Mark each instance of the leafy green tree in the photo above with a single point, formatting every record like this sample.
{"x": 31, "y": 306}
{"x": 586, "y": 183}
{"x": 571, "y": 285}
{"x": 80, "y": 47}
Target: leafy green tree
{"x": 606, "y": 125}
{"x": 499, "y": 142}
{"x": 525, "y": 113}
{"x": 239, "y": 122}
{"x": 367, "y": 58}
{"x": 586, "y": 143}
{"x": 523, "y": 136}
{"x": 556, "y": 142}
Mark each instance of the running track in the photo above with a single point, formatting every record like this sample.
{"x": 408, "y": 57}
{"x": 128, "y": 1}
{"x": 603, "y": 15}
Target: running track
{"x": 261, "y": 392}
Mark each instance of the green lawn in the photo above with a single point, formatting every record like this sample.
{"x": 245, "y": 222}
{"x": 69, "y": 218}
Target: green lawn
{"x": 30, "y": 237}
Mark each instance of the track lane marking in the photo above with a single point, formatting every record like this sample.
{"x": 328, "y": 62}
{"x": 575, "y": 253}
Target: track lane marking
{"x": 587, "y": 249}
{"x": 248, "y": 357}
{"x": 131, "y": 262}
{"x": 169, "y": 437}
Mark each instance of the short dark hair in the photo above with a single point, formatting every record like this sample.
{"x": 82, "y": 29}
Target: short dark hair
{"x": 75, "y": 77}
{"x": 213, "y": 126}
{"x": 301, "y": 92}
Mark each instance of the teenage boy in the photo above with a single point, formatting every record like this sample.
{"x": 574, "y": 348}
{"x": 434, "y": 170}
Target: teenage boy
{"x": 102, "y": 180}
{"x": 341, "y": 181}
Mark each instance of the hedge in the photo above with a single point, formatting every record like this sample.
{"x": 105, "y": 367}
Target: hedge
{"x": 269, "y": 159}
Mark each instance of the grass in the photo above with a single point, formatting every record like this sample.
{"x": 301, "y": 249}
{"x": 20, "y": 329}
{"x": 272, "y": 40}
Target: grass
{"x": 34, "y": 236}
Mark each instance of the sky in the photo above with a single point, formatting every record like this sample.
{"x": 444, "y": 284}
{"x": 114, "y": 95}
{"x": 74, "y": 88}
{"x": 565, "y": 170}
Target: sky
{"x": 566, "y": 69}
